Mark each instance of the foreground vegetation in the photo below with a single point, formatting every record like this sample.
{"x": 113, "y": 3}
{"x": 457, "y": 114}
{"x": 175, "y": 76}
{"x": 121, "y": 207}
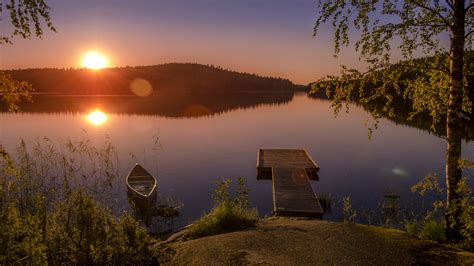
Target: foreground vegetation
{"x": 76, "y": 231}
{"x": 52, "y": 210}
{"x": 230, "y": 212}
{"x": 423, "y": 220}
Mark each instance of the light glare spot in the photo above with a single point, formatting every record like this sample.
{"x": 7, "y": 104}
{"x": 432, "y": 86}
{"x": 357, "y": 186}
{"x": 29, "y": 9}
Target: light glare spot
{"x": 97, "y": 117}
{"x": 399, "y": 171}
{"x": 141, "y": 87}
{"x": 94, "y": 60}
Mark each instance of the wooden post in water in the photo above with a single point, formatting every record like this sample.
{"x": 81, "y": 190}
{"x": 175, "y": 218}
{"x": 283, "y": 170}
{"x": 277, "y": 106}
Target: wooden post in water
{"x": 290, "y": 171}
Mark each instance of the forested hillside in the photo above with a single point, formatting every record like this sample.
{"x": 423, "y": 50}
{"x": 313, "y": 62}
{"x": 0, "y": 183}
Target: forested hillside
{"x": 167, "y": 77}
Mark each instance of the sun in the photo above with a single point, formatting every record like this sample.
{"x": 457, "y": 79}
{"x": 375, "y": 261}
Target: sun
{"x": 94, "y": 60}
{"x": 97, "y": 117}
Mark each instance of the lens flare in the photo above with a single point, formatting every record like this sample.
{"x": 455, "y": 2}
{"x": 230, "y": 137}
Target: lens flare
{"x": 141, "y": 87}
{"x": 399, "y": 171}
{"x": 97, "y": 117}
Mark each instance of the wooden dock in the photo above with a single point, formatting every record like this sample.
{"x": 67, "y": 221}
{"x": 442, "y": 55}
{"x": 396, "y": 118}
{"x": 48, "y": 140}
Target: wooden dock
{"x": 290, "y": 172}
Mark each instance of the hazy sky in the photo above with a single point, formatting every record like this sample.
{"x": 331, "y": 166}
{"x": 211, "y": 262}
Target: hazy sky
{"x": 268, "y": 37}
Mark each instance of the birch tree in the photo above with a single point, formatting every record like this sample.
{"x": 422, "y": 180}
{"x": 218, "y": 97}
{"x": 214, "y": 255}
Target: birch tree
{"x": 430, "y": 39}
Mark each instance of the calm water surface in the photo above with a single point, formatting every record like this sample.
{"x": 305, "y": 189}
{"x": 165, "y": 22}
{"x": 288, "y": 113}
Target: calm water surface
{"x": 197, "y": 151}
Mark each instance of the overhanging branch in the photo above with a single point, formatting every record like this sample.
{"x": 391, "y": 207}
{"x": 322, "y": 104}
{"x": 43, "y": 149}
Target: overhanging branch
{"x": 434, "y": 11}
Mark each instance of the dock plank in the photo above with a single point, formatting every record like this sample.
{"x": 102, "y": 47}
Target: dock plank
{"x": 290, "y": 172}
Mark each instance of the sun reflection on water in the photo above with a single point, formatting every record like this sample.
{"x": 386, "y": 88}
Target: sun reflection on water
{"x": 97, "y": 117}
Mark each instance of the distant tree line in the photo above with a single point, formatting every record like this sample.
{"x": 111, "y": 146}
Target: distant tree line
{"x": 179, "y": 77}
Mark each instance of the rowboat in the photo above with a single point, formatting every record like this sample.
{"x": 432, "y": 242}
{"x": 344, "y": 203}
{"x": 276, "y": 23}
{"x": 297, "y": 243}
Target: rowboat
{"x": 141, "y": 186}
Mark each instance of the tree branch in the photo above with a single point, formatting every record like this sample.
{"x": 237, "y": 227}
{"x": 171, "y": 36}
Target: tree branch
{"x": 469, "y": 7}
{"x": 434, "y": 25}
{"x": 449, "y": 4}
{"x": 434, "y": 11}
{"x": 441, "y": 69}
{"x": 469, "y": 33}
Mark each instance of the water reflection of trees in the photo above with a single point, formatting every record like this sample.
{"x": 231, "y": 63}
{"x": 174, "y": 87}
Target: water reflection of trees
{"x": 403, "y": 109}
{"x": 174, "y": 89}
{"x": 421, "y": 121}
{"x": 164, "y": 104}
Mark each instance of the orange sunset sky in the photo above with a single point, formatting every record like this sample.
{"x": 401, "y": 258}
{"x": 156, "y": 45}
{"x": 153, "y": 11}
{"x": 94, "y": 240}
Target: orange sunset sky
{"x": 267, "y": 37}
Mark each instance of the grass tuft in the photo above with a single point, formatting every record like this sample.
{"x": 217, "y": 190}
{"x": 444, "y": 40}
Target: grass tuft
{"x": 230, "y": 213}
{"x": 432, "y": 230}
{"x": 411, "y": 227}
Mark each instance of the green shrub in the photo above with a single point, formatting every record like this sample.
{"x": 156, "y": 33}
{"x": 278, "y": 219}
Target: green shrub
{"x": 464, "y": 208}
{"x": 429, "y": 229}
{"x": 21, "y": 238}
{"x": 77, "y": 231}
{"x": 130, "y": 243}
{"x": 230, "y": 213}
{"x": 411, "y": 227}
{"x": 50, "y": 210}
{"x": 432, "y": 230}
{"x": 83, "y": 232}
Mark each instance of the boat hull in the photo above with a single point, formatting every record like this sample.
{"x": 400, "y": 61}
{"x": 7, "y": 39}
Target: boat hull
{"x": 141, "y": 187}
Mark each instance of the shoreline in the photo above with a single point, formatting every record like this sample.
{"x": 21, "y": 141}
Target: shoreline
{"x": 283, "y": 241}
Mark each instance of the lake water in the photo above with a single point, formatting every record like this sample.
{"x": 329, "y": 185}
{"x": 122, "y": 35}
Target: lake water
{"x": 204, "y": 141}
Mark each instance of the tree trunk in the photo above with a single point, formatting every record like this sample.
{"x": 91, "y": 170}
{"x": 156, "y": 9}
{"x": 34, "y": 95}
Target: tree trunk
{"x": 453, "y": 125}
